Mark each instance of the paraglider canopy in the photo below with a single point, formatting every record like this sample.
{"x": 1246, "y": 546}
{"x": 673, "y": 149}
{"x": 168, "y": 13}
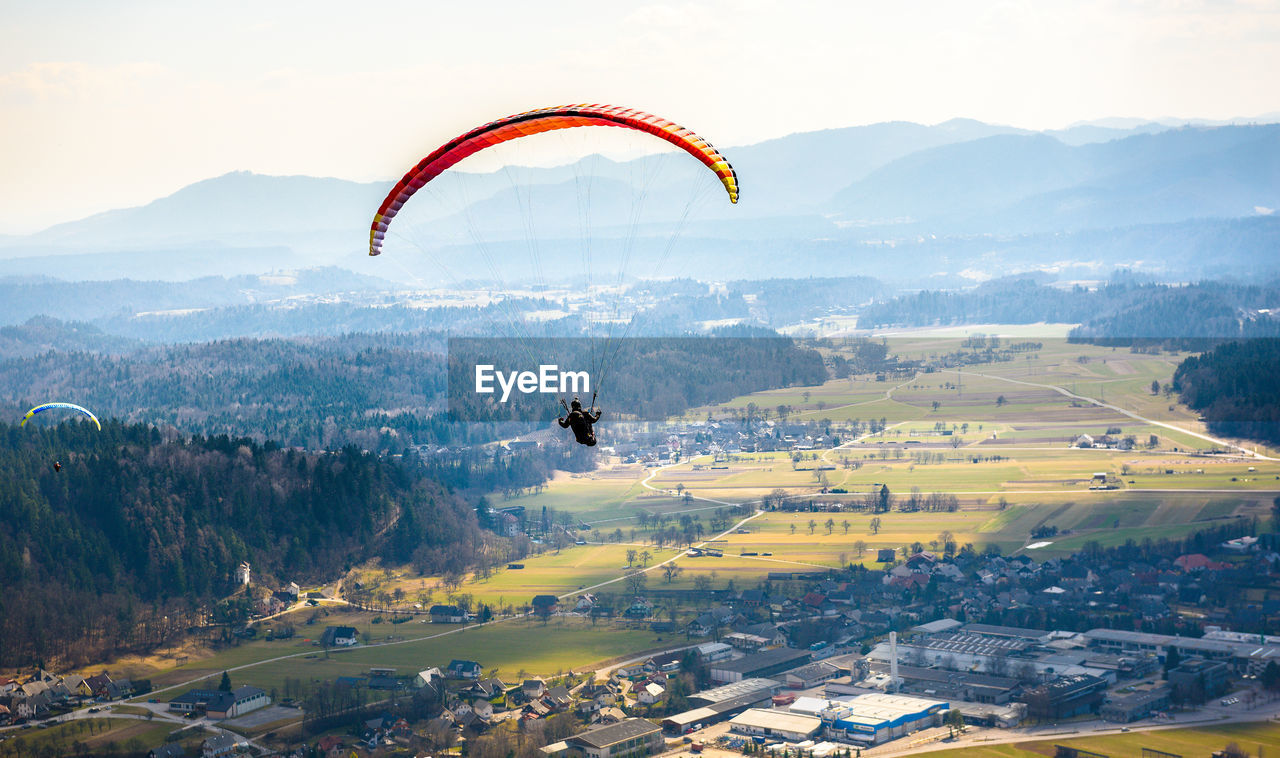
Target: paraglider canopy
{"x": 65, "y": 406}
{"x": 534, "y": 122}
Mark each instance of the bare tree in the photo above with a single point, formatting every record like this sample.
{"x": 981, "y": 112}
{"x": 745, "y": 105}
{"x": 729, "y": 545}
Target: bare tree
{"x": 636, "y": 581}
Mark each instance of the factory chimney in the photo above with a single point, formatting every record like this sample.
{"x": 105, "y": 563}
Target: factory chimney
{"x": 893, "y": 662}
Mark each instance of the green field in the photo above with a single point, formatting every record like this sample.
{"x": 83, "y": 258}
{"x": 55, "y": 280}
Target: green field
{"x": 1260, "y": 738}
{"x": 102, "y": 734}
{"x": 511, "y": 646}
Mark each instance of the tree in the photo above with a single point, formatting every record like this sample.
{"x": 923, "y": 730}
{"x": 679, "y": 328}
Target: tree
{"x": 1171, "y": 660}
{"x": 875, "y": 525}
{"x": 225, "y": 684}
{"x": 1155, "y": 387}
{"x": 671, "y": 571}
{"x": 645, "y": 557}
{"x": 636, "y": 581}
{"x": 860, "y": 546}
{"x": 812, "y": 525}
{"x": 999, "y": 402}
{"x": 631, "y": 556}
{"x": 885, "y": 500}
{"x": 845, "y": 523}
{"x": 830, "y": 525}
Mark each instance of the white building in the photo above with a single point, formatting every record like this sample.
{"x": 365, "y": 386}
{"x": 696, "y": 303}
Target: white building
{"x": 782, "y": 725}
{"x": 429, "y": 676}
{"x": 710, "y": 652}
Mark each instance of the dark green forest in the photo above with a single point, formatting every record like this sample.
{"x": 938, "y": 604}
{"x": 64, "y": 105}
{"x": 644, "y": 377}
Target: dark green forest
{"x": 139, "y": 524}
{"x": 1234, "y": 387}
{"x": 383, "y": 392}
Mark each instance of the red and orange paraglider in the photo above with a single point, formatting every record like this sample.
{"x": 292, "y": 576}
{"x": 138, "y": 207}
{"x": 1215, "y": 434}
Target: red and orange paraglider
{"x": 535, "y": 122}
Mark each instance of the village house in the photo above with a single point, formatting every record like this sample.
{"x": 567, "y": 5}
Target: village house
{"x": 459, "y": 669}
{"x": 339, "y": 636}
{"x": 447, "y": 614}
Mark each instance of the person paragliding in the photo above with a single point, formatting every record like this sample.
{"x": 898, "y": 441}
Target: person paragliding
{"x": 57, "y": 465}
{"x": 581, "y": 422}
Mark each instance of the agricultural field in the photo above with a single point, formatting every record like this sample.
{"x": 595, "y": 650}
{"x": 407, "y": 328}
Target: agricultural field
{"x": 553, "y": 572}
{"x": 511, "y": 646}
{"x": 605, "y": 495}
{"x": 1260, "y": 738}
{"x": 94, "y": 734}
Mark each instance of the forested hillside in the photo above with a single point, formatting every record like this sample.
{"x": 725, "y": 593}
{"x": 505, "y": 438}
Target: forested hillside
{"x": 1186, "y": 318}
{"x": 383, "y": 392}
{"x": 1119, "y": 313}
{"x": 377, "y": 392}
{"x": 1234, "y": 387}
{"x": 140, "y": 525}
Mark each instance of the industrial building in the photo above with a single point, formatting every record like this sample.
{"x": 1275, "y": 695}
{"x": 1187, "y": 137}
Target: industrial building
{"x": 781, "y": 725}
{"x": 1244, "y": 657}
{"x": 716, "y": 705}
{"x": 873, "y": 718}
{"x": 1122, "y": 709}
{"x": 711, "y": 652}
{"x": 1065, "y": 697}
{"x": 630, "y": 738}
{"x": 951, "y": 685}
{"x": 217, "y": 704}
{"x": 1200, "y": 677}
{"x": 1012, "y": 653}
{"x": 810, "y": 675}
{"x": 763, "y": 664}
{"x": 1005, "y": 716}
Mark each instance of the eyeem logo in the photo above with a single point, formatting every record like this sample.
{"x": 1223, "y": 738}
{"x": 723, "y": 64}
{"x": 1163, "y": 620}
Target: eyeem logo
{"x": 548, "y": 379}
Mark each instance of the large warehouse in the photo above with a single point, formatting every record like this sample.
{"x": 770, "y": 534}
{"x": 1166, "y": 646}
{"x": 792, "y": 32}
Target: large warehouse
{"x": 873, "y": 718}
{"x": 781, "y": 725}
{"x": 763, "y": 664}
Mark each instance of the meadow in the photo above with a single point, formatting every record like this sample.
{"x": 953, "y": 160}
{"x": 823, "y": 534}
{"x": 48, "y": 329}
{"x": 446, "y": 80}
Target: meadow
{"x": 514, "y": 647}
{"x": 1260, "y": 738}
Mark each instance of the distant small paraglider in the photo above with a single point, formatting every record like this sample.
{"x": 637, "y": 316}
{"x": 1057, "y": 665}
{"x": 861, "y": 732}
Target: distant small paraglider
{"x": 67, "y": 406}
{"x": 57, "y": 465}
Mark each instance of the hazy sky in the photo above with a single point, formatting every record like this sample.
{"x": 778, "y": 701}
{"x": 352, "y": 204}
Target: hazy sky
{"x": 111, "y": 104}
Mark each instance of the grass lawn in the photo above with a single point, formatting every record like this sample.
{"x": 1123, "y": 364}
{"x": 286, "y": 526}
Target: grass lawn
{"x": 511, "y": 646}
{"x": 1261, "y": 738}
{"x": 100, "y": 733}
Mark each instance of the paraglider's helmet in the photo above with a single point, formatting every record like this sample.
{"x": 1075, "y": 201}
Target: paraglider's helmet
{"x": 575, "y": 405}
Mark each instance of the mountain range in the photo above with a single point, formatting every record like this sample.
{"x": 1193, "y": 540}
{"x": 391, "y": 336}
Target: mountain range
{"x": 965, "y": 194}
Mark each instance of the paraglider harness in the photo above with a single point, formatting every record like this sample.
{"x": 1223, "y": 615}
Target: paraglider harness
{"x": 580, "y": 421}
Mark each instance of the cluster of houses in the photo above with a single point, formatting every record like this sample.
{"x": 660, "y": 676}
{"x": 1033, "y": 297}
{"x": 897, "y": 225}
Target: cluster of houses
{"x": 969, "y": 585}
{"x": 958, "y": 653}
{"x": 43, "y": 693}
{"x": 480, "y": 702}
{"x": 719, "y": 439}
